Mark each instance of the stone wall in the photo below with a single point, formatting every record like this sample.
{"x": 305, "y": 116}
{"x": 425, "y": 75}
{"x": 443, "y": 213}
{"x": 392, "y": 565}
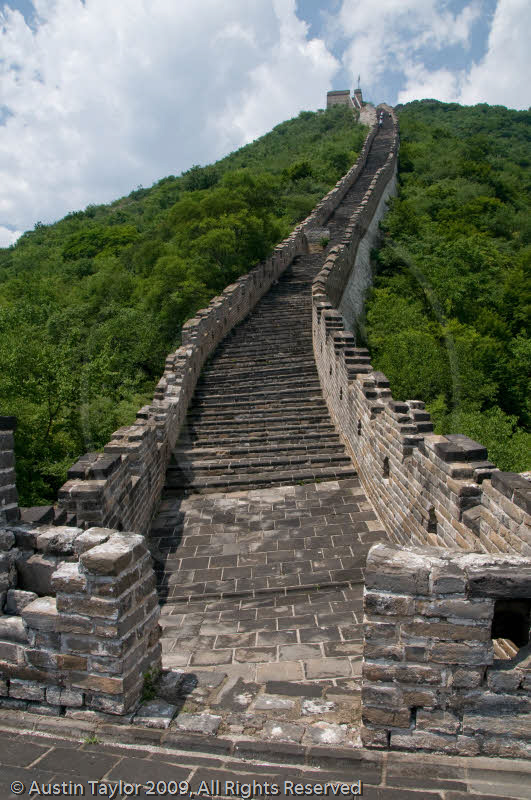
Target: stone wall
{"x": 78, "y": 620}
{"x": 427, "y": 489}
{"x": 339, "y": 97}
{"x": 352, "y": 302}
{"x": 433, "y": 678}
{"x": 8, "y": 490}
{"x": 120, "y": 487}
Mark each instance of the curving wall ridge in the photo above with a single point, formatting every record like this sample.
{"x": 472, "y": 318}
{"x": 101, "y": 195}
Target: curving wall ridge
{"x": 120, "y": 487}
{"x": 427, "y": 489}
{"x": 433, "y": 676}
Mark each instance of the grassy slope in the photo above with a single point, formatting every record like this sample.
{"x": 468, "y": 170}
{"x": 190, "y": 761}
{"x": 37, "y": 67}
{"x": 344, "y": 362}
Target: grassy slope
{"x": 448, "y": 319}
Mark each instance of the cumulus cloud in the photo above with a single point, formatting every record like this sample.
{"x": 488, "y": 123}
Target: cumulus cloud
{"x": 502, "y": 76}
{"x": 413, "y": 45}
{"x": 497, "y": 78}
{"x": 100, "y": 97}
{"x": 8, "y": 236}
{"x": 389, "y": 35}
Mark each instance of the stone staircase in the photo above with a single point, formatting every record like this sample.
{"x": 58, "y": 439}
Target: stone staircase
{"x": 258, "y": 418}
{"x": 263, "y": 530}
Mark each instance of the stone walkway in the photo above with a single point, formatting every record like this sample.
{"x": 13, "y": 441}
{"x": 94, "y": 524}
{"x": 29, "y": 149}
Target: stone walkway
{"x": 264, "y": 529}
{"x": 273, "y": 640}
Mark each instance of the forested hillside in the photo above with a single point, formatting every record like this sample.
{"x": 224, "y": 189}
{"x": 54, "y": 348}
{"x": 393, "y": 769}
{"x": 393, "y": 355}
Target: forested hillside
{"x": 448, "y": 319}
{"x": 90, "y": 306}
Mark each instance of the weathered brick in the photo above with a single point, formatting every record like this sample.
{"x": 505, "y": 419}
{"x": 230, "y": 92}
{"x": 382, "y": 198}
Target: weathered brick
{"x": 450, "y": 653}
{"x": 518, "y": 727}
{"x": 386, "y": 696}
{"x": 41, "y": 614}
{"x": 387, "y": 718}
{"x": 114, "y": 555}
{"x": 69, "y": 578}
{"x": 424, "y": 740}
{"x": 457, "y": 608}
{"x": 437, "y": 721}
{"x": 448, "y": 631}
{"x": 504, "y": 680}
{"x": 388, "y": 604}
{"x": 26, "y": 690}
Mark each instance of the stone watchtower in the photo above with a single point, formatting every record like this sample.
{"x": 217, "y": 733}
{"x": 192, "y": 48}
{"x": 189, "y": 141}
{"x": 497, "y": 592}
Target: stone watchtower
{"x": 342, "y": 97}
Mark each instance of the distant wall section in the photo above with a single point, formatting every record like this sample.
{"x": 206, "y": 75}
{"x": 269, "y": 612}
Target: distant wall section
{"x": 340, "y": 98}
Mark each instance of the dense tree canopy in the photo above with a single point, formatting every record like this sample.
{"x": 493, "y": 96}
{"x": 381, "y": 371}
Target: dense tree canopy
{"x": 448, "y": 318}
{"x": 90, "y": 306}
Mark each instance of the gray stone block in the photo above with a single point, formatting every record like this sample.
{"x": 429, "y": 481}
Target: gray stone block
{"x": 155, "y": 714}
{"x": 35, "y": 573}
{"x": 17, "y": 600}
{"x": 12, "y": 629}
{"x": 27, "y": 690}
{"x": 198, "y": 723}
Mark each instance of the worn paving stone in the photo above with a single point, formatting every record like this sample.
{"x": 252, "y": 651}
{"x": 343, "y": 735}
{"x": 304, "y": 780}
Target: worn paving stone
{"x": 328, "y": 668}
{"x": 238, "y": 697}
{"x": 198, "y": 723}
{"x": 269, "y": 702}
{"x": 317, "y": 707}
{"x": 326, "y": 733}
{"x": 283, "y": 731}
{"x": 155, "y": 714}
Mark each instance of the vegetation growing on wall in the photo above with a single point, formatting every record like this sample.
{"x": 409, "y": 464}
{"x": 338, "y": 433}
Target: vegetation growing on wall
{"x": 448, "y": 319}
{"x": 90, "y": 306}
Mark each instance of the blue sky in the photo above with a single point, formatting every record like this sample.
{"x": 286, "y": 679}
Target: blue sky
{"x": 97, "y": 98}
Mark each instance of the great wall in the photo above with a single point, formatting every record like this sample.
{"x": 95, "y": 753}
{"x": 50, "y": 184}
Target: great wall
{"x": 329, "y": 571}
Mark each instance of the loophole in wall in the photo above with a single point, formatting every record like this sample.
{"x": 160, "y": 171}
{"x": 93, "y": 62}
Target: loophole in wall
{"x": 510, "y": 626}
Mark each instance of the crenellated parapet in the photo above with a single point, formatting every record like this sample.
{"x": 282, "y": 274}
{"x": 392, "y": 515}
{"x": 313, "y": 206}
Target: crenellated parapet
{"x": 78, "y": 619}
{"x": 435, "y": 674}
{"x": 428, "y": 489}
{"x": 9, "y": 511}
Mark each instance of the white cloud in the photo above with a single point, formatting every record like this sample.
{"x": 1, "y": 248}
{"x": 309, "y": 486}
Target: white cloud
{"x": 104, "y": 96}
{"x": 390, "y": 34}
{"x": 502, "y": 77}
{"x": 498, "y": 78}
{"x": 412, "y": 44}
{"x": 8, "y": 236}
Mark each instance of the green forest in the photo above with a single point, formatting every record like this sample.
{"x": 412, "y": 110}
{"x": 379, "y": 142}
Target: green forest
{"x": 91, "y": 305}
{"x": 448, "y": 317}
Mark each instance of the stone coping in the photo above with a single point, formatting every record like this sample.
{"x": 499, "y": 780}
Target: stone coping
{"x": 240, "y": 747}
{"x": 145, "y": 753}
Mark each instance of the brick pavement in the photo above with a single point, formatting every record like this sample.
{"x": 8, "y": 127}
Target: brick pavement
{"x": 264, "y": 529}
{"x": 275, "y": 635}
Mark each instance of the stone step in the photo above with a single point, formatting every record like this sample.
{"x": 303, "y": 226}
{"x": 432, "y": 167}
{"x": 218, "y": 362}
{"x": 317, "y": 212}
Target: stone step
{"x": 257, "y": 380}
{"x": 194, "y": 467}
{"x": 310, "y": 390}
{"x": 256, "y": 408}
{"x": 260, "y": 438}
{"x": 294, "y": 446}
{"x": 270, "y": 421}
{"x": 205, "y": 484}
